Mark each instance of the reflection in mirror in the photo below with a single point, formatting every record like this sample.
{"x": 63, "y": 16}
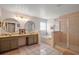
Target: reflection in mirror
{"x": 10, "y": 26}
{"x": 30, "y": 26}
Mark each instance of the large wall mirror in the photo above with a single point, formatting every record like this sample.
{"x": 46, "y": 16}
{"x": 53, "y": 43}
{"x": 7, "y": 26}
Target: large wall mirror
{"x": 11, "y": 25}
{"x": 30, "y": 26}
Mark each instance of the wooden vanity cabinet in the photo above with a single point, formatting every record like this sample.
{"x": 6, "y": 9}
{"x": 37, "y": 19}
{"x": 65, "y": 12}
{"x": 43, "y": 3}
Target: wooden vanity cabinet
{"x": 4, "y": 45}
{"x": 35, "y": 40}
{"x": 22, "y": 41}
{"x": 13, "y": 43}
{"x": 31, "y": 39}
{"x": 8, "y": 44}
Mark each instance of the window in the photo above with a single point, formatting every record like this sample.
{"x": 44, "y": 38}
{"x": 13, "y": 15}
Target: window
{"x": 42, "y": 26}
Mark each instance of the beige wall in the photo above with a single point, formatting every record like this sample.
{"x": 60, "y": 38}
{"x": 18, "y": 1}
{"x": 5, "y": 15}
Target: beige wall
{"x": 5, "y": 14}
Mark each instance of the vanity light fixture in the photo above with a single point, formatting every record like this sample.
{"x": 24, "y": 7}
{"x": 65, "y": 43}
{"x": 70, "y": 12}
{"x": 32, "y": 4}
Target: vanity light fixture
{"x": 24, "y": 18}
{"x": 20, "y": 17}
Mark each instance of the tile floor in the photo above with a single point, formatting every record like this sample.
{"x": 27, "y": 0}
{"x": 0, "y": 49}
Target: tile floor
{"x": 37, "y": 49}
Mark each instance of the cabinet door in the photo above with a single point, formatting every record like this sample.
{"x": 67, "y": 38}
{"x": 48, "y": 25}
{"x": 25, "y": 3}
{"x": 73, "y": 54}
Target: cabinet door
{"x": 4, "y": 45}
{"x": 13, "y": 43}
{"x": 22, "y": 41}
{"x": 35, "y": 40}
{"x": 30, "y": 40}
{"x": 63, "y": 33}
{"x": 74, "y": 33}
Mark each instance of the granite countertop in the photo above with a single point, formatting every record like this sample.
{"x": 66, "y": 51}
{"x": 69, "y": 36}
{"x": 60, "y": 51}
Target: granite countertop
{"x": 17, "y": 35}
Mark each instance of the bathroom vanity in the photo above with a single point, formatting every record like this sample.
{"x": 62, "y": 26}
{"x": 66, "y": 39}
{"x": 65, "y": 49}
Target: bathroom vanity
{"x": 9, "y": 42}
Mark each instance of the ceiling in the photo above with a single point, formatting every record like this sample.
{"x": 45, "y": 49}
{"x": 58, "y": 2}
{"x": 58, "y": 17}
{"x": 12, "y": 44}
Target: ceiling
{"x": 47, "y": 11}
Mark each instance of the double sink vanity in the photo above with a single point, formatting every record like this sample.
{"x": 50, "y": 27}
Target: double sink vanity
{"x": 13, "y": 35}
{"x": 10, "y": 42}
